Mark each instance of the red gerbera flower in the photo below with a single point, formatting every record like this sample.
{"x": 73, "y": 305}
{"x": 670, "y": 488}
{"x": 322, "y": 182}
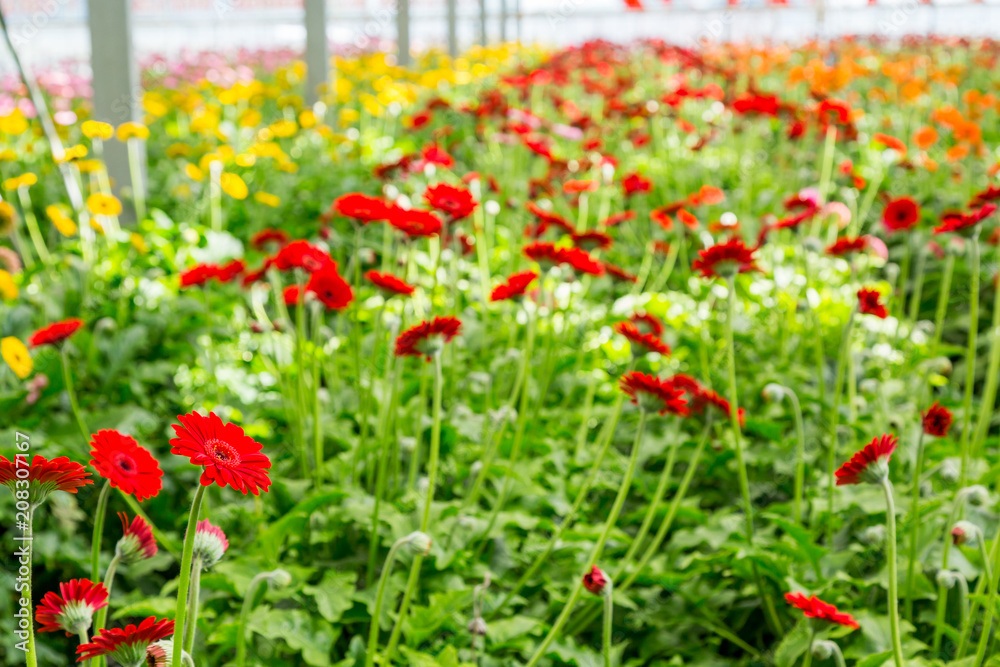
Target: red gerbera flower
{"x": 434, "y": 154}
{"x": 547, "y": 219}
{"x": 871, "y": 464}
{"x": 514, "y": 287}
{"x": 725, "y": 259}
{"x": 44, "y": 476}
{"x": 427, "y": 338}
{"x": 901, "y": 214}
{"x": 230, "y": 270}
{"x": 198, "y": 275}
{"x": 713, "y": 397}
{"x": 415, "y": 223}
{"x": 122, "y": 461}
{"x": 591, "y": 240}
{"x": 635, "y": 184}
{"x": 456, "y": 202}
{"x": 548, "y": 255}
{"x": 869, "y": 303}
{"x": 936, "y": 420}
{"x": 137, "y": 541}
{"x": 847, "y": 245}
{"x": 55, "y": 333}
{"x": 595, "y": 580}
{"x": 652, "y": 393}
{"x": 229, "y": 456}
{"x": 890, "y": 142}
{"x": 617, "y": 218}
{"x": 576, "y": 186}
{"x": 963, "y": 223}
{"x": 363, "y": 208}
{"x": 647, "y": 323}
{"x": 266, "y": 237}
{"x": 72, "y": 608}
{"x": 292, "y": 295}
{"x": 813, "y": 607}
{"x": 389, "y": 284}
{"x": 303, "y": 255}
{"x": 330, "y": 288}
{"x": 642, "y": 342}
{"x": 126, "y": 646}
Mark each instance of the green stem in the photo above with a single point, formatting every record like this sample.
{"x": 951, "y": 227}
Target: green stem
{"x": 599, "y": 547}
{"x": 609, "y": 615}
{"x": 890, "y": 524}
{"x": 300, "y": 380}
{"x": 770, "y": 611}
{"x": 984, "y": 638}
{"x": 432, "y": 466}
{"x": 184, "y": 582}
{"x": 380, "y": 480}
{"x": 27, "y": 536}
{"x": 95, "y": 543}
{"x": 379, "y": 596}
{"x": 32, "y": 223}
{"x": 978, "y": 596}
{"x": 604, "y": 438}
{"x": 970, "y": 355}
{"x": 102, "y": 613}
{"x": 71, "y": 393}
{"x": 138, "y": 186}
{"x": 988, "y": 399}
{"x": 914, "y": 527}
{"x": 318, "y": 455}
{"x": 808, "y": 658}
{"x": 918, "y": 284}
{"x": 193, "y": 600}
{"x": 944, "y": 295}
{"x": 831, "y": 454}
{"x": 800, "y": 456}
{"x": 942, "y": 600}
{"x": 241, "y": 628}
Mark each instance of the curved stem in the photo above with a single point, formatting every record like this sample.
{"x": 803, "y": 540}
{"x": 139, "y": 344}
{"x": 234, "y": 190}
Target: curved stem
{"x": 890, "y": 524}
{"x": 193, "y": 599}
{"x": 800, "y": 456}
{"x": 984, "y": 638}
{"x": 102, "y": 613}
{"x": 970, "y": 355}
{"x": 605, "y": 438}
{"x": 241, "y": 632}
{"x": 432, "y": 466}
{"x": 914, "y": 527}
{"x": 379, "y": 596}
{"x": 831, "y": 454}
{"x": 184, "y": 582}
{"x": 609, "y": 615}
{"x": 599, "y": 547}
{"x": 95, "y": 543}
{"x": 71, "y": 393}
{"x": 770, "y": 611}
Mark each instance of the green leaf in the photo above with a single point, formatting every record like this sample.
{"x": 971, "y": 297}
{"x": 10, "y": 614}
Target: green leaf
{"x": 334, "y": 594}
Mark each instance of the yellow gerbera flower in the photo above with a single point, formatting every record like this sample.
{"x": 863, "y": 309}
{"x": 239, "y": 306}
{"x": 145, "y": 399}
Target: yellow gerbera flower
{"x": 95, "y": 129}
{"x": 267, "y": 199}
{"x": 233, "y": 185}
{"x": 24, "y": 180}
{"x": 8, "y": 290}
{"x": 60, "y": 220}
{"x": 16, "y": 355}
{"x": 129, "y": 130}
{"x": 102, "y": 204}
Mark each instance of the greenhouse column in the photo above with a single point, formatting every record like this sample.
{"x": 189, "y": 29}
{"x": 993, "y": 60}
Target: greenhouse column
{"x": 403, "y": 32}
{"x": 317, "y": 57}
{"x": 482, "y": 22}
{"x": 452, "y": 28}
{"x": 117, "y": 92}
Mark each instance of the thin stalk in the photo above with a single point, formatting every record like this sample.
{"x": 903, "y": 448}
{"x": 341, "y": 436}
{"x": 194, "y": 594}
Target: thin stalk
{"x": 379, "y": 596}
{"x": 27, "y": 537}
{"x": 102, "y": 613}
{"x": 984, "y": 638}
{"x": 914, "y": 527}
{"x": 32, "y": 223}
{"x": 831, "y": 457}
{"x": 604, "y": 438}
{"x": 989, "y": 396}
{"x": 241, "y": 628}
{"x": 970, "y": 355}
{"x": 800, "y": 456}
{"x": 95, "y": 543}
{"x": 770, "y": 611}
{"x": 71, "y": 393}
{"x": 918, "y": 283}
{"x": 978, "y": 596}
{"x": 184, "y": 582}
{"x": 380, "y": 480}
{"x": 609, "y": 617}
{"x": 942, "y": 600}
{"x": 808, "y": 658}
{"x": 599, "y": 547}
{"x": 943, "y": 297}
{"x": 193, "y": 599}
{"x": 890, "y": 524}
{"x": 432, "y": 466}
{"x": 138, "y": 185}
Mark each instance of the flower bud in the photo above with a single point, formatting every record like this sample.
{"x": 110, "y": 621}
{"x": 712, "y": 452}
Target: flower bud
{"x": 773, "y": 392}
{"x": 823, "y": 649}
{"x": 967, "y": 533}
{"x": 419, "y": 543}
{"x": 595, "y": 580}
{"x": 874, "y": 535}
{"x": 279, "y": 578}
{"x": 210, "y": 543}
{"x": 947, "y": 578}
{"x": 949, "y": 470}
{"x": 977, "y": 495}
{"x": 477, "y": 627}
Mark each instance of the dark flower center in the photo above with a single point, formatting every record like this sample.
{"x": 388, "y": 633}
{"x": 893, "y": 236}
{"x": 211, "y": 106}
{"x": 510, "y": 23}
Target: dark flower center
{"x": 125, "y": 463}
{"x": 222, "y": 452}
